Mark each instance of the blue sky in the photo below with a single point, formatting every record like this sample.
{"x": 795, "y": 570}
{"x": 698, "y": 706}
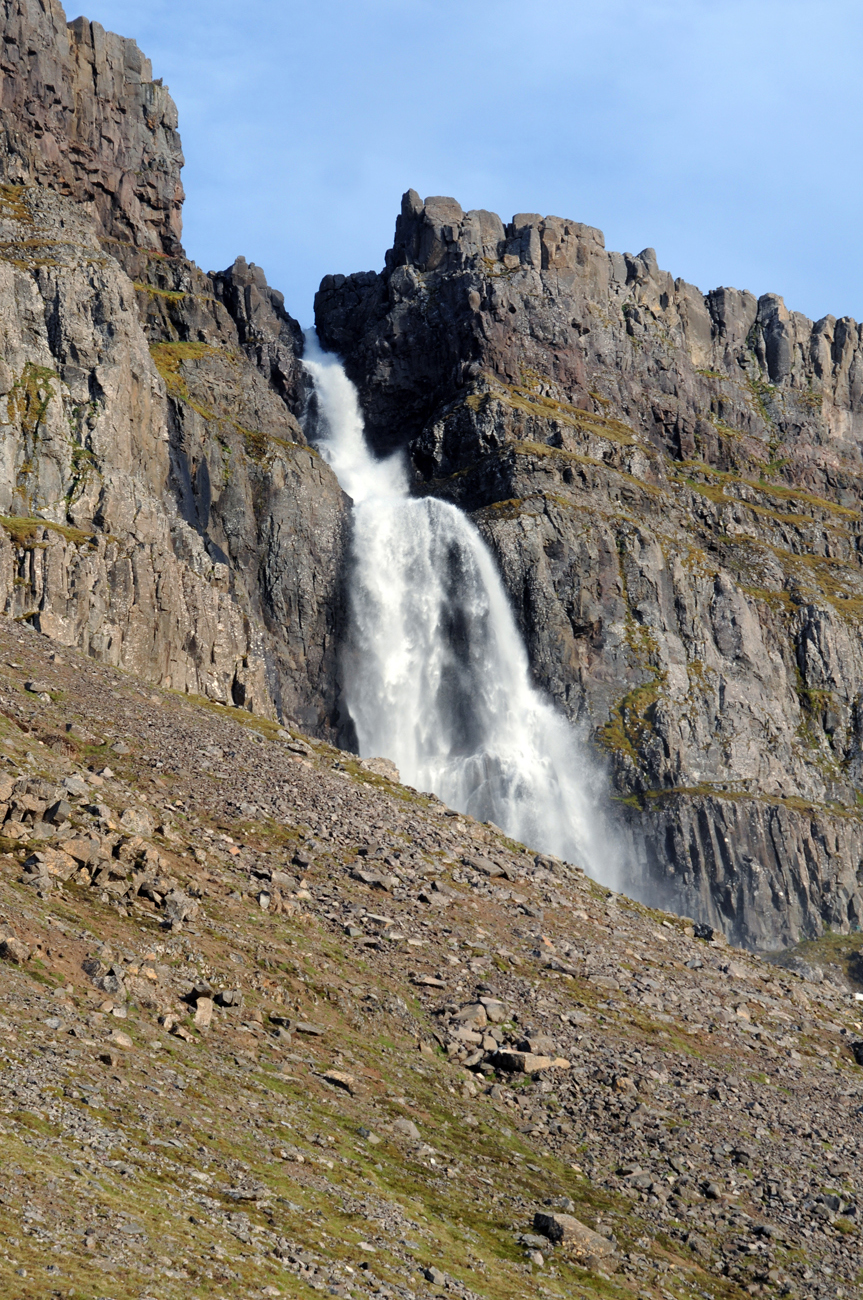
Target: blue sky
{"x": 724, "y": 133}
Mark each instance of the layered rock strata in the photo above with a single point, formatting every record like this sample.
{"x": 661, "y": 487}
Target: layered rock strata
{"x": 671, "y": 484}
{"x": 161, "y": 507}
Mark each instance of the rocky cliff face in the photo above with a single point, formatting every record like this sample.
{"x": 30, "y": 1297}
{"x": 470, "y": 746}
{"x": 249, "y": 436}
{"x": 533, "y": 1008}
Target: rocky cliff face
{"x": 83, "y": 115}
{"x": 670, "y": 481}
{"x": 671, "y": 484}
{"x": 161, "y": 507}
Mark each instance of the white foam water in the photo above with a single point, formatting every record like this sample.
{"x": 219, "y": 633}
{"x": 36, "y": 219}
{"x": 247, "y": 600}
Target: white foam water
{"x": 436, "y": 676}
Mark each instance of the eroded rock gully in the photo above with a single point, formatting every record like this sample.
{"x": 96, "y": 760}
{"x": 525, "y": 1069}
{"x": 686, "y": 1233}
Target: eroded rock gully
{"x": 671, "y": 484}
{"x": 162, "y": 507}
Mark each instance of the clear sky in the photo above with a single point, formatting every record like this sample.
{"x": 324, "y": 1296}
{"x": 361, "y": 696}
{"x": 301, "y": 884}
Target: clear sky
{"x": 724, "y": 133}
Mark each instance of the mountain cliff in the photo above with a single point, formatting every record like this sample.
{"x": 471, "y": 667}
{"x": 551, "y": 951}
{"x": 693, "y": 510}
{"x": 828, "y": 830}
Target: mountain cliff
{"x": 161, "y": 506}
{"x": 221, "y": 1065}
{"x": 671, "y": 485}
{"x": 670, "y": 481}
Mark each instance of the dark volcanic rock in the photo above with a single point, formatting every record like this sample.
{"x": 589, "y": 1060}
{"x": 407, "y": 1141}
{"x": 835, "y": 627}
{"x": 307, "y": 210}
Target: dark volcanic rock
{"x": 671, "y": 485}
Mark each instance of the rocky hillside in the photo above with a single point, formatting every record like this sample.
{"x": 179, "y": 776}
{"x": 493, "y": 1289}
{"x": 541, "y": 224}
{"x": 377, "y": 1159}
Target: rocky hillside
{"x": 160, "y": 505}
{"x": 271, "y": 1023}
{"x": 671, "y": 484}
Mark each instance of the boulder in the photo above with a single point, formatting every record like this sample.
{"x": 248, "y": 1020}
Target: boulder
{"x": 473, "y": 1014}
{"x": 382, "y": 767}
{"x": 407, "y": 1128}
{"x": 573, "y": 1237}
{"x": 14, "y": 950}
{"x": 515, "y": 1061}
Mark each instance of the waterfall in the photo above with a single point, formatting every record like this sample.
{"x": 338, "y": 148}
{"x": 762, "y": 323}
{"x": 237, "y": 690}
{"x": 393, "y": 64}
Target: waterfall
{"x": 436, "y": 676}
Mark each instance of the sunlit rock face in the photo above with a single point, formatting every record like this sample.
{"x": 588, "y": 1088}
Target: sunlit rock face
{"x": 670, "y": 483}
{"x": 163, "y": 507}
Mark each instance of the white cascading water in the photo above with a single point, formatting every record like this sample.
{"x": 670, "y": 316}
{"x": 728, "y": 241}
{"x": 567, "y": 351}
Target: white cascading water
{"x": 436, "y": 675}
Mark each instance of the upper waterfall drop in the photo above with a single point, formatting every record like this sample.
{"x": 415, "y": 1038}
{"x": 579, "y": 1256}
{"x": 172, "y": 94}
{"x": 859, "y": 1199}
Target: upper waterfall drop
{"x": 436, "y": 676}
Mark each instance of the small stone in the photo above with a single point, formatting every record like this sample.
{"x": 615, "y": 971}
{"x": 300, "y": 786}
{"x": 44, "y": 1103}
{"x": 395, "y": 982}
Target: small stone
{"x": 314, "y": 1031}
{"x": 76, "y": 786}
{"x": 407, "y": 1128}
{"x": 699, "y": 1244}
{"x": 137, "y": 822}
{"x": 58, "y": 812}
{"x": 473, "y": 1014}
{"x": 495, "y": 1011}
{"x": 204, "y": 1012}
{"x": 435, "y": 1276}
{"x": 119, "y": 1039}
{"x": 375, "y": 879}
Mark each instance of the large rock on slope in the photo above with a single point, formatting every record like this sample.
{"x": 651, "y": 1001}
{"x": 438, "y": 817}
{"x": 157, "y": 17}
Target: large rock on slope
{"x": 160, "y": 504}
{"x": 671, "y": 484}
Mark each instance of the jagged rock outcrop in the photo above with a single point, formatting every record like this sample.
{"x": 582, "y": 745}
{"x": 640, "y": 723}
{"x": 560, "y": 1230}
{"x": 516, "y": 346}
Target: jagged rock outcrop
{"x": 160, "y": 505}
{"x": 83, "y": 115}
{"x": 671, "y": 484}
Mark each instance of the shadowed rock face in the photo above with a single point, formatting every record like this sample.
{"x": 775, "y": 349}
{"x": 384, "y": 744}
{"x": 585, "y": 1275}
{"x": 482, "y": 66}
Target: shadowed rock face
{"x": 671, "y": 484}
{"x": 163, "y": 509}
